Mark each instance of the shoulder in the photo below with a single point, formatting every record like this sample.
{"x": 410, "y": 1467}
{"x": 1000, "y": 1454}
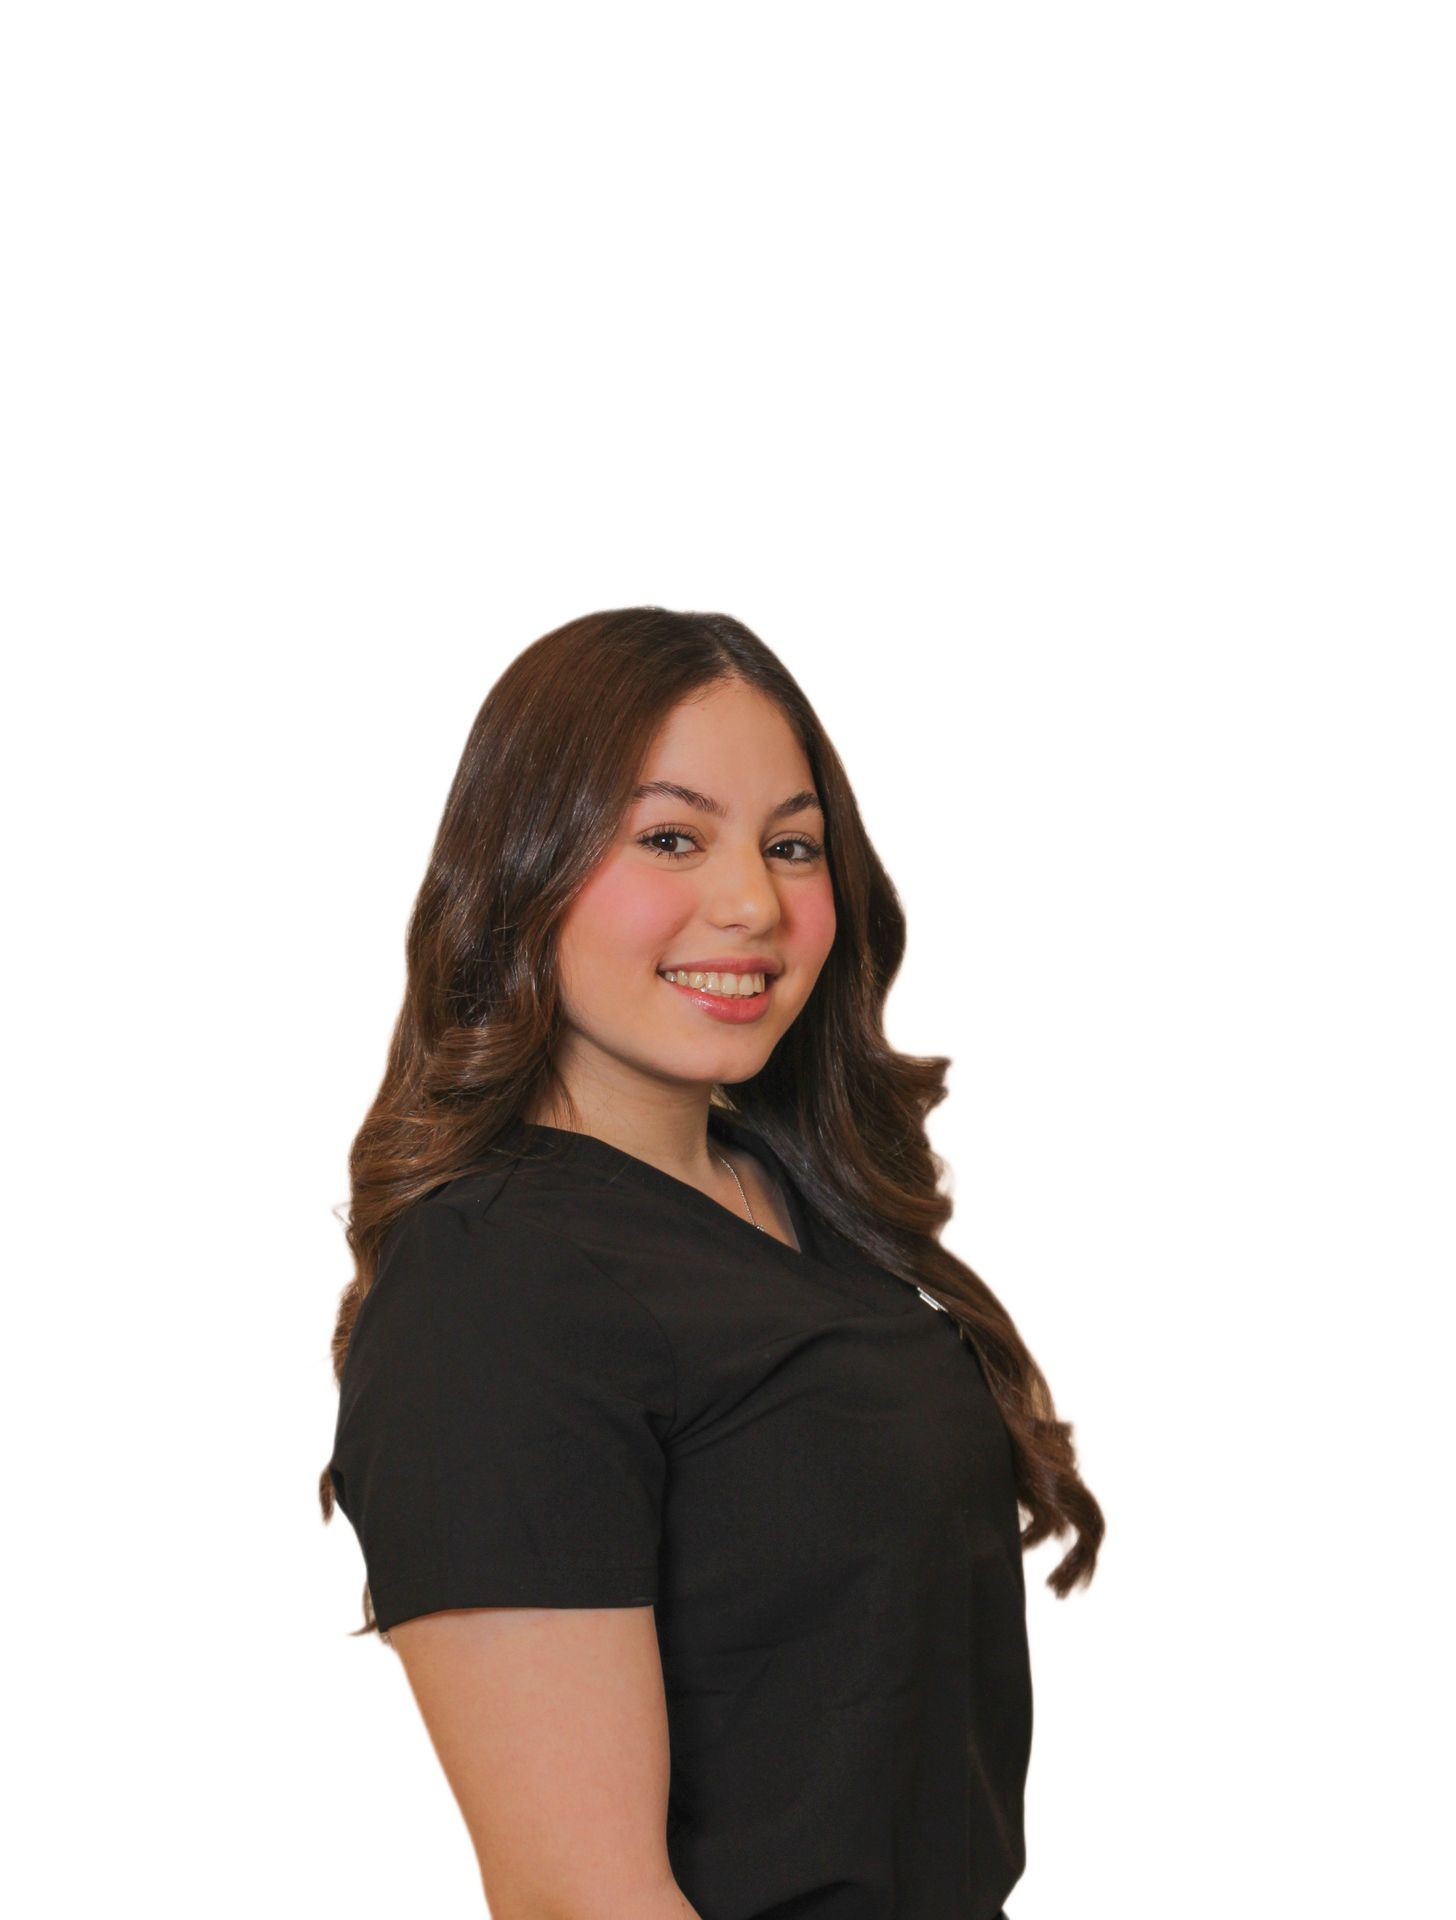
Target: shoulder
{"x": 479, "y": 1229}
{"x": 464, "y": 1268}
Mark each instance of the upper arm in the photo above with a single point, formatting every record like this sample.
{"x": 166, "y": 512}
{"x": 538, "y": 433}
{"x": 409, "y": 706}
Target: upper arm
{"x": 499, "y": 1453}
{"x": 551, "y": 1727}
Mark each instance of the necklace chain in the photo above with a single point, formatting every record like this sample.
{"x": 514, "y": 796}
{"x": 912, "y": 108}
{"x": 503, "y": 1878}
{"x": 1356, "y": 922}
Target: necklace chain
{"x": 739, "y": 1184}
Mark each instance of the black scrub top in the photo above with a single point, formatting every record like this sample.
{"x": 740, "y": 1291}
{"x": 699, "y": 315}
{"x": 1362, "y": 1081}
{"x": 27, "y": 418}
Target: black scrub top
{"x": 580, "y": 1382}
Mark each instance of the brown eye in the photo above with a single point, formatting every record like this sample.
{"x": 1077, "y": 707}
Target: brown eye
{"x": 667, "y": 833}
{"x": 812, "y": 849}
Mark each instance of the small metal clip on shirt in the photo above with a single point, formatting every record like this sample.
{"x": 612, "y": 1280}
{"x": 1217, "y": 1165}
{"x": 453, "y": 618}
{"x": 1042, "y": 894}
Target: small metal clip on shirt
{"x": 929, "y": 1302}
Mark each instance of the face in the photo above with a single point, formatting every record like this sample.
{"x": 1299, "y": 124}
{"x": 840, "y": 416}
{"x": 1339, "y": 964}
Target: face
{"x": 682, "y": 885}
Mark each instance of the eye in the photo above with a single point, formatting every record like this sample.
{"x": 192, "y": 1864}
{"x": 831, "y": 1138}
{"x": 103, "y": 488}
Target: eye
{"x": 812, "y": 849}
{"x": 666, "y": 833}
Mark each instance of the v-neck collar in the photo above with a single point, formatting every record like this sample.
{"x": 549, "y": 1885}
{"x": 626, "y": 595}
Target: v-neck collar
{"x": 613, "y": 1163}
{"x": 610, "y": 1164}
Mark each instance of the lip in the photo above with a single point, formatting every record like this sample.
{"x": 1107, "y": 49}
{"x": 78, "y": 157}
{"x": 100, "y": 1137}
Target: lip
{"x": 742, "y": 1011}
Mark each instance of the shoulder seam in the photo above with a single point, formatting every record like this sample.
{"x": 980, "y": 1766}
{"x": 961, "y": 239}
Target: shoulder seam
{"x": 498, "y": 1178}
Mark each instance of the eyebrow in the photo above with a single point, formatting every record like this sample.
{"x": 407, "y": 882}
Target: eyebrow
{"x": 799, "y": 802}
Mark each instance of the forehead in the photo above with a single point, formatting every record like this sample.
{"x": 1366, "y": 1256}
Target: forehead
{"x": 733, "y": 745}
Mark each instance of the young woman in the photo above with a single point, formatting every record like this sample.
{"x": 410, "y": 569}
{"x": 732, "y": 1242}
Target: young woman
{"x": 685, "y": 1462}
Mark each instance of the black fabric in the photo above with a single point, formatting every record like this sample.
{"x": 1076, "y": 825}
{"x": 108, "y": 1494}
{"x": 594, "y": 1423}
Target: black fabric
{"x": 578, "y": 1381}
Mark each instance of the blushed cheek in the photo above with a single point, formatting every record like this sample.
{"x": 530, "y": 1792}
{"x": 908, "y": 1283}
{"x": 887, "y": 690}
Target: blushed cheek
{"x": 623, "y": 914}
{"x": 813, "y": 925}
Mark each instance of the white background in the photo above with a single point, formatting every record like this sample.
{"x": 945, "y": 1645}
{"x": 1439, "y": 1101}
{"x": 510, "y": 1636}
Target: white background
{"x": 1065, "y": 392}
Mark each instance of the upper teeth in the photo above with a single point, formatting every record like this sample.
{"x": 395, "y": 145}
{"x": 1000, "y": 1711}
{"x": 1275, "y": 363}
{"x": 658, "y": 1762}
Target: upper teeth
{"x": 729, "y": 983}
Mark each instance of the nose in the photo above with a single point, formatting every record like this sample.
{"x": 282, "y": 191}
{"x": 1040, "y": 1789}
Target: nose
{"x": 741, "y": 890}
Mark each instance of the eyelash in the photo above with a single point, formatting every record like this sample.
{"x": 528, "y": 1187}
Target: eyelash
{"x": 686, "y": 833}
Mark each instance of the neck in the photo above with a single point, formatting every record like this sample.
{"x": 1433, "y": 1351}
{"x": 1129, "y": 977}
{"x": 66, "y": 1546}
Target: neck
{"x": 669, "y": 1132}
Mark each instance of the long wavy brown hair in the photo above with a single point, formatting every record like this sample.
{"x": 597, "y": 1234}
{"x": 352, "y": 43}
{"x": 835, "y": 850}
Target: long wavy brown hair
{"x": 542, "y": 786}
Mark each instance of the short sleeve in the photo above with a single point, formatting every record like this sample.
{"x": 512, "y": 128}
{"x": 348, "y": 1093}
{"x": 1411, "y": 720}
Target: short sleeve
{"x": 501, "y": 1420}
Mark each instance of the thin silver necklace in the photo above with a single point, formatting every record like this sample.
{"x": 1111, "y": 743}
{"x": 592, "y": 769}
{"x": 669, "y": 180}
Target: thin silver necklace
{"x": 939, "y": 1308}
{"x": 739, "y": 1184}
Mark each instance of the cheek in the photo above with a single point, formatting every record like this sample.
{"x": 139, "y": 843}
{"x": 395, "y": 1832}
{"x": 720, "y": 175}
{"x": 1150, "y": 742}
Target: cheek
{"x": 814, "y": 921}
{"x": 623, "y": 913}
